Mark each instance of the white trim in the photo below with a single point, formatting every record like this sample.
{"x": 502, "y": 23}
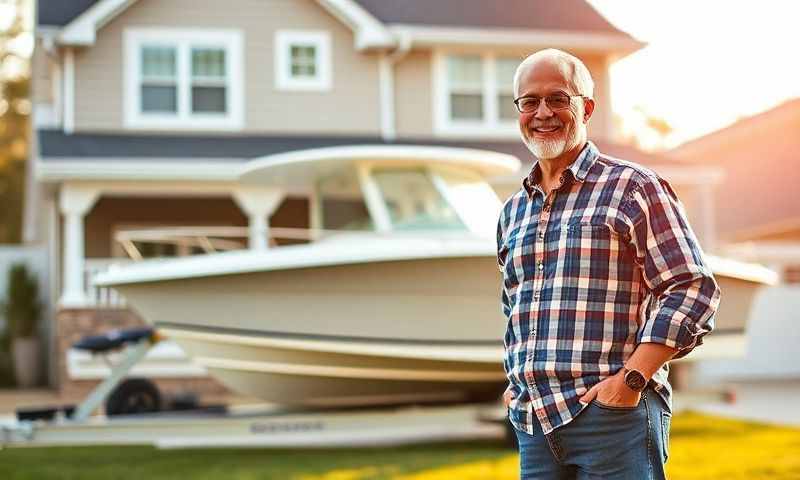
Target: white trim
{"x": 57, "y": 89}
{"x": 69, "y": 91}
{"x": 431, "y": 36}
{"x": 83, "y": 29}
{"x": 63, "y": 168}
{"x": 45, "y": 116}
{"x": 386, "y": 85}
{"x": 183, "y": 39}
{"x": 369, "y": 32}
{"x": 491, "y": 126}
{"x": 321, "y": 41}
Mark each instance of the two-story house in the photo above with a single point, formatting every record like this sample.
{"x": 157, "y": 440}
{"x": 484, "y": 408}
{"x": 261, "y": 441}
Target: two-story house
{"x": 145, "y": 111}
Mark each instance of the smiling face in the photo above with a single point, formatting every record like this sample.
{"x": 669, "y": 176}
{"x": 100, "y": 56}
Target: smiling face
{"x": 553, "y": 134}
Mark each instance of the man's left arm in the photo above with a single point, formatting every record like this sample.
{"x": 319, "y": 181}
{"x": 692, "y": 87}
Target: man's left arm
{"x": 685, "y": 293}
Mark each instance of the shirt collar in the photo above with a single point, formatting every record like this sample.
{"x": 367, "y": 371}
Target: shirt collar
{"x": 579, "y": 168}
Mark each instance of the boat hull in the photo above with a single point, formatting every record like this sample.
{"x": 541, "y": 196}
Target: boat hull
{"x": 343, "y": 335}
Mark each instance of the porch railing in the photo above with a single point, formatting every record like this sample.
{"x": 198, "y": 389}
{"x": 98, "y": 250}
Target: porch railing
{"x": 101, "y": 297}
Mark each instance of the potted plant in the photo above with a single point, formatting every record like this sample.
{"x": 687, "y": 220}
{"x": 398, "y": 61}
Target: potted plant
{"x": 22, "y": 310}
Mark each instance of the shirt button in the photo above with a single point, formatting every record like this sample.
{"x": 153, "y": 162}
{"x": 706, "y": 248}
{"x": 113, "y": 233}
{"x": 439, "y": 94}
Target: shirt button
{"x": 541, "y": 266}
{"x": 541, "y": 235}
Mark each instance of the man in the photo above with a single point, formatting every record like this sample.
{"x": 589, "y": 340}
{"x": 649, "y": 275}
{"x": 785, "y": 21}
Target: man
{"x": 603, "y": 283}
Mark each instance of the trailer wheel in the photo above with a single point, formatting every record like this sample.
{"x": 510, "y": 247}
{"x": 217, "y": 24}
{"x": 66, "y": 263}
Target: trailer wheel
{"x": 134, "y": 395}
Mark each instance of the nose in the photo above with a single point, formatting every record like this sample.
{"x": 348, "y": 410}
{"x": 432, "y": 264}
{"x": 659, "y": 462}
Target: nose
{"x": 543, "y": 111}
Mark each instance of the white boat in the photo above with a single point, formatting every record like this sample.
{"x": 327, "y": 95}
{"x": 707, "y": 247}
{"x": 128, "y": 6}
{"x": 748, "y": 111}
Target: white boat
{"x": 397, "y": 302}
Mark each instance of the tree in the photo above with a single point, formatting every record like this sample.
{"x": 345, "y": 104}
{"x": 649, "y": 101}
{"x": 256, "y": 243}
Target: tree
{"x": 15, "y": 109}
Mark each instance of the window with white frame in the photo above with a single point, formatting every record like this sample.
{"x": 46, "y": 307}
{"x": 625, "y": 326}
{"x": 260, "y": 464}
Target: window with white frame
{"x": 183, "y": 79}
{"x": 475, "y": 94}
{"x": 302, "y": 60}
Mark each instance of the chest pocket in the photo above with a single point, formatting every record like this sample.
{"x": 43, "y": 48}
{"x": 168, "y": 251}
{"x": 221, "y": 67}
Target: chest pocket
{"x": 590, "y": 248}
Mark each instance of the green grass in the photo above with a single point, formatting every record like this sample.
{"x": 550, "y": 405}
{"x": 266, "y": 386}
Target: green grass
{"x": 702, "y": 447}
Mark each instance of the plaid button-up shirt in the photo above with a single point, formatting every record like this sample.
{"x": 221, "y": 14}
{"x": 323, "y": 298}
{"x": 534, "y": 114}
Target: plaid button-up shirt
{"x": 601, "y": 264}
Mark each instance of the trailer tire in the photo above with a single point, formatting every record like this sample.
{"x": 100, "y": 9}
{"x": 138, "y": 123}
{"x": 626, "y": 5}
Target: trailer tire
{"x": 132, "y": 396}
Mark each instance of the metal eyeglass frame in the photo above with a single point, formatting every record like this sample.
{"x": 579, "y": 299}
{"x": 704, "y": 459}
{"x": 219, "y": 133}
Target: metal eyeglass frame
{"x": 546, "y": 101}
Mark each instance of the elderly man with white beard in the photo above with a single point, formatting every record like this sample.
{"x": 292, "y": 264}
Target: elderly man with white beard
{"x": 603, "y": 282}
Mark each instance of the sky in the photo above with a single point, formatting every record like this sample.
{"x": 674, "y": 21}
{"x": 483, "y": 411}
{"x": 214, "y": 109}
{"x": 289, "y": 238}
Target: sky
{"x": 707, "y": 62}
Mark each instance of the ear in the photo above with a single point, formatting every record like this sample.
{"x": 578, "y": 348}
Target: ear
{"x": 588, "y": 109}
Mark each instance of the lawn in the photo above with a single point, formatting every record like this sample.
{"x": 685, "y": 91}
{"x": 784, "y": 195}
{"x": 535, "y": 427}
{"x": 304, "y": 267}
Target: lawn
{"x": 702, "y": 447}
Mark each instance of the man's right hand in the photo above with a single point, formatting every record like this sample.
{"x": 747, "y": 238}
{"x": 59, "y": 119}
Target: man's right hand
{"x": 508, "y": 395}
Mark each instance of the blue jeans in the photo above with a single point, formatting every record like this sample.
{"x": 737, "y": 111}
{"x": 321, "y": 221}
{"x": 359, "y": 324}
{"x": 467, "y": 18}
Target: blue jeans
{"x": 602, "y": 442}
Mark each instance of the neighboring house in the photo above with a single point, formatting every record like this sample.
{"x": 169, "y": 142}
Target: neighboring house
{"x": 146, "y": 110}
{"x": 758, "y": 220}
{"x": 758, "y": 214}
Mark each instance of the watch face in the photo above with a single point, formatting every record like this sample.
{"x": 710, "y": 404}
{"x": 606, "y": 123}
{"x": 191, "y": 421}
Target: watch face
{"x": 635, "y": 380}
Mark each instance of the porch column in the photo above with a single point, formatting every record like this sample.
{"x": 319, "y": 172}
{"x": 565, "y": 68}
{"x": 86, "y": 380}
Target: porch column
{"x": 258, "y": 204}
{"x": 74, "y": 202}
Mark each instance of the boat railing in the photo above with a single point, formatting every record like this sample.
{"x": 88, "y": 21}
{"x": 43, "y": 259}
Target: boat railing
{"x": 211, "y": 239}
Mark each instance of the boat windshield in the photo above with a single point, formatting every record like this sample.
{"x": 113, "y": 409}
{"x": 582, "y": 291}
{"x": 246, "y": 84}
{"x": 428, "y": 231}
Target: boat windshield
{"x": 413, "y": 202}
{"x": 342, "y": 203}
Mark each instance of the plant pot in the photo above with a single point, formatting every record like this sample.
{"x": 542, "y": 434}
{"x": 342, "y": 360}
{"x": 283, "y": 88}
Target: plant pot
{"x": 26, "y": 361}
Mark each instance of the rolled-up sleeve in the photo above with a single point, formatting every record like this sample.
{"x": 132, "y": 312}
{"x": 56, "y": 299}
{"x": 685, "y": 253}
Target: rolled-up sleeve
{"x": 685, "y": 295}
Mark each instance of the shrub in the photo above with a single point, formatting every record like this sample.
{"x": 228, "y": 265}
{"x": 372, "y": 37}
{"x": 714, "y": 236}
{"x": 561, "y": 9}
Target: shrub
{"x": 22, "y": 307}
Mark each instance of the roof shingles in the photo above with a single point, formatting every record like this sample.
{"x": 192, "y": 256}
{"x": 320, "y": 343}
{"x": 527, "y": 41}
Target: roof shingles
{"x": 573, "y": 15}
{"x": 566, "y": 15}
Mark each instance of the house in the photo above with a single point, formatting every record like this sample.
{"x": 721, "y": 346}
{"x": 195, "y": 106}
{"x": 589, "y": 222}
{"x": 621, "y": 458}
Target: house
{"x": 145, "y": 111}
{"x": 758, "y": 220}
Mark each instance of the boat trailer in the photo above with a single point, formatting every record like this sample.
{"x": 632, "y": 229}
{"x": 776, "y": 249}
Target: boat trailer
{"x": 133, "y": 416}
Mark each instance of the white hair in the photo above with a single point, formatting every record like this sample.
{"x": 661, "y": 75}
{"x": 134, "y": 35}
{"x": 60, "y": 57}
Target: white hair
{"x": 571, "y": 66}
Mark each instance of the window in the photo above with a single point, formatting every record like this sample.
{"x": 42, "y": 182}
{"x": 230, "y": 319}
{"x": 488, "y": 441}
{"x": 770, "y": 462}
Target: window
{"x": 302, "y": 60}
{"x": 474, "y": 95}
{"x": 465, "y": 80}
{"x": 183, "y": 79}
{"x": 159, "y": 80}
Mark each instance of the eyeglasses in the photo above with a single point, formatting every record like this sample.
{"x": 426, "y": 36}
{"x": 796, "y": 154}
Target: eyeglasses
{"x": 556, "y": 101}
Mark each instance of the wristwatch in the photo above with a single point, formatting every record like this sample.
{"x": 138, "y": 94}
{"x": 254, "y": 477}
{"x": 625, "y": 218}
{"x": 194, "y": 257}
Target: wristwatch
{"x": 635, "y": 380}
